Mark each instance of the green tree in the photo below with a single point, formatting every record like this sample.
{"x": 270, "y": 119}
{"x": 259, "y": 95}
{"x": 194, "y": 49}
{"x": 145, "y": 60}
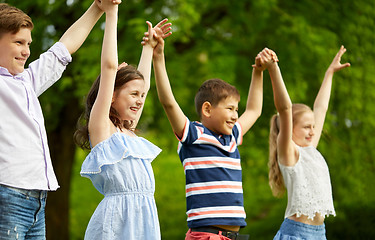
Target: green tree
{"x": 220, "y": 39}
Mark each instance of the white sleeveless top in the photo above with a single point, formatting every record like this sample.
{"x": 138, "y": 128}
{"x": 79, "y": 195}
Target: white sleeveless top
{"x": 308, "y": 185}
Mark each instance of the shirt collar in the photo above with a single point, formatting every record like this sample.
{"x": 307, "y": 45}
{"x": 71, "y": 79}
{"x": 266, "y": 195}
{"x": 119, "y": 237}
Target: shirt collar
{"x": 4, "y": 72}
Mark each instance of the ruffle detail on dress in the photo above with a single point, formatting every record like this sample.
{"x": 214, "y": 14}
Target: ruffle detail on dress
{"x": 311, "y": 214}
{"x": 116, "y": 148}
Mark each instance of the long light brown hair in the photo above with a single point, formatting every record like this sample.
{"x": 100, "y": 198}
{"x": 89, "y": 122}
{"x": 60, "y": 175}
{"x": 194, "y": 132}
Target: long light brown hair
{"x": 124, "y": 75}
{"x": 275, "y": 177}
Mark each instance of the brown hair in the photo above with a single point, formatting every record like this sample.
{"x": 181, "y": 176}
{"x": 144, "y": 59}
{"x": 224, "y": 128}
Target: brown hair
{"x": 13, "y": 19}
{"x": 276, "y": 181}
{"x": 124, "y": 75}
{"x": 213, "y": 91}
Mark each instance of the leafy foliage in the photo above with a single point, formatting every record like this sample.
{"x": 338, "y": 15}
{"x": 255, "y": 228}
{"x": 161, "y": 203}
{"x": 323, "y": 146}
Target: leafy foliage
{"x": 220, "y": 39}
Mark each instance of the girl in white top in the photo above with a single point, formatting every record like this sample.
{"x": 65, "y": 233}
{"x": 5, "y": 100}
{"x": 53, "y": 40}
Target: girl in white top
{"x": 294, "y": 161}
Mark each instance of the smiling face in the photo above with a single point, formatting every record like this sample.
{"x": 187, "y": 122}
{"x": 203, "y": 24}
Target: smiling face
{"x": 15, "y": 50}
{"x": 222, "y": 117}
{"x": 303, "y": 129}
{"x": 128, "y": 100}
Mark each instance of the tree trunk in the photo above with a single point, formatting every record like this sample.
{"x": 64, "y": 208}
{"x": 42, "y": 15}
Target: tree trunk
{"x": 62, "y": 150}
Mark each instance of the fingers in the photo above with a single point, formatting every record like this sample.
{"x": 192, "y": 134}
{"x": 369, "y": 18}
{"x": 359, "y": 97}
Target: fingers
{"x": 161, "y": 22}
{"x": 167, "y": 35}
{"x": 165, "y": 27}
{"x": 156, "y": 34}
{"x": 272, "y": 54}
{"x": 345, "y": 65}
{"x": 336, "y": 65}
{"x": 149, "y": 25}
{"x": 107, "y": 5}
{"x": 123, "y": 64}
{"x": 268, "y": 55}
{"x": 264, "y": 59}
{"x": 341, "y": 52}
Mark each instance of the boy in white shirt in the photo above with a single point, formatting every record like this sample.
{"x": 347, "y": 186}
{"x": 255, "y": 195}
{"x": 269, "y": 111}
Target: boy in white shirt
{"x": 26, "y": 172}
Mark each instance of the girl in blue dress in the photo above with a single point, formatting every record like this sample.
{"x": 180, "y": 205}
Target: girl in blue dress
{"x": 119, "y": 164}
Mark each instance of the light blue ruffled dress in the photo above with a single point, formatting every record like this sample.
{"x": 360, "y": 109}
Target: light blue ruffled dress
{"x": 120, "y": 169}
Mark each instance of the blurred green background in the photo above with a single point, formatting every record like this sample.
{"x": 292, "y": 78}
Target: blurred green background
{"x": 220, "y": 39}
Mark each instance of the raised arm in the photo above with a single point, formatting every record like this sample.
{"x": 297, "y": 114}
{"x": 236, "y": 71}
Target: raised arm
{"x": 144, "y": 65}
{"x": 100, "y": 126}
{"x": 76, "y": 34}
{"x": 255, "y": 98}
{"x": 322, "y": 99}
{"x": 149, "y": 42}
{"x": 174, "y": 113}
{"x": 285, "y": 147}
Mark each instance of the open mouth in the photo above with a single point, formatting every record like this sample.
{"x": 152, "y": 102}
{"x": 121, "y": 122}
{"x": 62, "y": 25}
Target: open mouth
{"x": 230, "y": 124}
{"x": 134, "y": 109}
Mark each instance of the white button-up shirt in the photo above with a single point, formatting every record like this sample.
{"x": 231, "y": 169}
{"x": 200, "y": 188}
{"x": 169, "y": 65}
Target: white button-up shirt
{"x": 24, "y": 155}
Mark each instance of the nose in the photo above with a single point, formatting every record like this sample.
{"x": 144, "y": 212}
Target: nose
{"x": 234, "y": 115}
{"x": 26, "y": 51}
{"x": 311, "y": 132}
{"x": 139, "y": 101}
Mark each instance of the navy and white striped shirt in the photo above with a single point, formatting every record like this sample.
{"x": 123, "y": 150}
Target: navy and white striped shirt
{"x": 212, "y": 166}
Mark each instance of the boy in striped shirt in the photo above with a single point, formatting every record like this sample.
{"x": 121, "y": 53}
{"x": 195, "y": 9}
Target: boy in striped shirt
{"x": 208, "y": 149}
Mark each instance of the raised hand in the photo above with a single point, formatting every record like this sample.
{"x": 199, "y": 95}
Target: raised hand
{"x": 106, "y": 5}
{"x": 165, "y": 28}
{"x": 336, "y": 65}
{"x": 264, "y": 59}
{"x": 123, "y": 64}
{"x": 162, "y": 29}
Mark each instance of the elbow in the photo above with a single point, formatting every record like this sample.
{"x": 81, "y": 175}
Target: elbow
{"x": 109, "y": 65}
{"x": 167, "y": 104}
{"x": 320, "y": 108}
{"x": 285, "y": 107}
{"x": 258, "y": 113}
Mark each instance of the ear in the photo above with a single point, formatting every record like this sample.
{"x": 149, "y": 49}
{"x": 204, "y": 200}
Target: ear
{"x": 113, "y": 98}
{"x": 206, "y": 109}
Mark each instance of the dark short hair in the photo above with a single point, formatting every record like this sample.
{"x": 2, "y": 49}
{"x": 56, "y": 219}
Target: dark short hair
{"x": 213, "y": 91}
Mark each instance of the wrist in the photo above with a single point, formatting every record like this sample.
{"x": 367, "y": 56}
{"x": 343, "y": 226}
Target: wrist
{"x": 112, "y": 11}
{"x": 147, "y": 47}
{"x": 330, "y": 71}
{"x": 258, "y": 70}
{"x": 273, "y": 66}
{"x": 158, "y": 56}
